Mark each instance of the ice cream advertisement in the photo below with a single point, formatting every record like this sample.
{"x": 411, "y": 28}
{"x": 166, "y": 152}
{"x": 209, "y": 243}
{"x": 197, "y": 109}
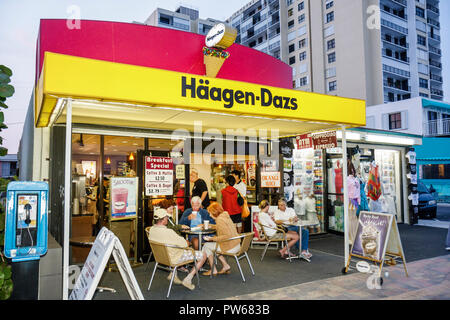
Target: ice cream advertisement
{"x": 371, "y": 235}
{"x": 123, "y": 197}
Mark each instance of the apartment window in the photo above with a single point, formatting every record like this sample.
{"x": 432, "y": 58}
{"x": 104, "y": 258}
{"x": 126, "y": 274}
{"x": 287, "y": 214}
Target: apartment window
{"x": 302, "y": 43}
{"x": 302, "y": 56}
{"x": 301, "y": 6}
{"x": 395, "y": 121}
{"x": 421, "y": 40}
{"x": 303, "y": 68}
{"x": 328, "y": 31}
{"x": 292, "y": 60}
{"x": 332, "y": 57}
{"x": 290, "y": 12}
{"x": 290, "y": 24}
{"x": 422, "y": 54}
{"x": 330, "y": 16}
{"x": 292, "y": 48}
{"x": 331, "y": 72}
{"x": 425, "y": 95}
{"x": 301, "y": 18}
{"x": 423, "y": 83}
{"x": 289, "y": 2}
{"x": 301, "y": 31}
{"x": 331, "y": 44}
{"x": 329, "y": 4}
{"x": 420, "y": 12}
{"x": 422, "y": 68}
{"x": 303, "y": 81}
{"x": 332, "y": 86}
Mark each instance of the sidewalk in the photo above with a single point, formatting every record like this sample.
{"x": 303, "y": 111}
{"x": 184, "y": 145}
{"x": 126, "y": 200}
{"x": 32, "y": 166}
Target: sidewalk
{"x": 429, "y": 279}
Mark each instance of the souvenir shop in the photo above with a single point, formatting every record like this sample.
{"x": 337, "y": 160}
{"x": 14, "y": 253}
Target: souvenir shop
{"x": 377, "y": 178}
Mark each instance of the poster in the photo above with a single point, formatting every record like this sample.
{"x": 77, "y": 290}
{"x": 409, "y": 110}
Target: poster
{"x": 324, "y": 140}
{"x": 89, "y": 168}
{"x": 251, "y": 173}
{"x": 179, "y": 171}
{"x": 123, "y": 197}
{"x": 371, "y": 235}
{"x": 270, "y": 180}
{"x": 158, "y": 176}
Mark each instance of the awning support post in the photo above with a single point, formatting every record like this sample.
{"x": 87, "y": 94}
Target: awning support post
{"x": 344, "y": 182}
{"x": 67, "y": 194}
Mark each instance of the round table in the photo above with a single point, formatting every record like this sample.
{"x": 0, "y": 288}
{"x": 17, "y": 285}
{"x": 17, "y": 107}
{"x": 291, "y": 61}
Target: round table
{"x": 199, "y": 233}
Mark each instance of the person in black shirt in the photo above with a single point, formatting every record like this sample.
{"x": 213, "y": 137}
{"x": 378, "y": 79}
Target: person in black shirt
{"x": 200, "y": 188}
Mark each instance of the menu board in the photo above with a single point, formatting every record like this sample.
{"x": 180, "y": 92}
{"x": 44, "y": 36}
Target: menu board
{"x": 123, "y": 197}
{"x": 373, "y": 231}
{"x": 158, "y": 176}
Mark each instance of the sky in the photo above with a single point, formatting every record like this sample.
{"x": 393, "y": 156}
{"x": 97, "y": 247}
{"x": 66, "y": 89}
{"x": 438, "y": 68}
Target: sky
{"x": 19, "y": 22}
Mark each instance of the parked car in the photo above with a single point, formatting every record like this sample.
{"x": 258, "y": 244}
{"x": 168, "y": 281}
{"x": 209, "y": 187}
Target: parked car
{"x": 427, "y": 202}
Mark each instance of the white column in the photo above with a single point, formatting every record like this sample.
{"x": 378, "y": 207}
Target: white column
{"x": 67, "y": 193}
{"x": 344, "y": 182}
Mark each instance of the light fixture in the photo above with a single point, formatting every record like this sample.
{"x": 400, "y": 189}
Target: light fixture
{"x": 131, "y": 157}
{"x": 389, "y": 139}
{"x": 348, "y": 135}
{"x": 108, "y": 161}
{"x": 80, "y": 141}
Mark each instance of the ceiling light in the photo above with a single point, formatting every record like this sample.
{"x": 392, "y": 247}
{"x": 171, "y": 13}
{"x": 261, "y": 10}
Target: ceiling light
{"x": 390, "y": 139}
{"x": 131, "y": 157}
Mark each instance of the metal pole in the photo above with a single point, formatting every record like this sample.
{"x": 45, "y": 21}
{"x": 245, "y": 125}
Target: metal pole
{"x": 67, "y": 196}
{"x": 344, "y": 178}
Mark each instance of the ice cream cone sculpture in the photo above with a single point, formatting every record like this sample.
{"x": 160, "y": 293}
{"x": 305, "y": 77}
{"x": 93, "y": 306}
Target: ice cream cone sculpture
{"x": 213, "y": 60}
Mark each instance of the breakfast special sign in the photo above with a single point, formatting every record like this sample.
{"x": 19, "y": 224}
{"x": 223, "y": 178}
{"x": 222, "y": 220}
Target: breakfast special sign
{"x": 158, "y": 176}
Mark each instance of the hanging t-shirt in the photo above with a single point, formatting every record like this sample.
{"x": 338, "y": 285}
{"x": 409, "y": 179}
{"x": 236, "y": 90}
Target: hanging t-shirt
{"x": 374, "y": 184}
{"x": 411, "y": 155}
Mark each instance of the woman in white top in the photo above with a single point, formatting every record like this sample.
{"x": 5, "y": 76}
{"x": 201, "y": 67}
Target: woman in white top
{"x": 270, "y": 228}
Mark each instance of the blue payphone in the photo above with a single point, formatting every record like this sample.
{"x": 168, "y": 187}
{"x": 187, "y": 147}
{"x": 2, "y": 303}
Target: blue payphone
{"x": 26, "y": 220}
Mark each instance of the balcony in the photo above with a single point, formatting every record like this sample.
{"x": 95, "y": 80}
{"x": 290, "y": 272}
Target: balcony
{"x": 436, "y": 78}
{"x": 435, "y": 128}
{"x": 437, "y": 92}
{"x": 397, "y": 86}
{"x": 394, "y": 26}
{"x": 402, "y": 2}
{"x": 435, "y": 50}
{"x": 435, "y": 64}
{"x": 432, "y": 8}
{"x": 434, "y": 23}
{"x": 434, "y": 36}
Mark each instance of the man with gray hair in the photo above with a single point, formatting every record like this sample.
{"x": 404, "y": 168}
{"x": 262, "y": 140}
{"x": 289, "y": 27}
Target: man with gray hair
{"x": 194, "y": 217}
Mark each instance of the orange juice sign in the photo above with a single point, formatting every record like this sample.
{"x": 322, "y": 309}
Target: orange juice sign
{"x": 270, "y": 180}
{"x": 158, "y": 176}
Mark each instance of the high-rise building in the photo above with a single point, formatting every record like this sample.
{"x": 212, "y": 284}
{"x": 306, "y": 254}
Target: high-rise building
{"x": 376, "y": 50}
{"x": 183, "y": 18}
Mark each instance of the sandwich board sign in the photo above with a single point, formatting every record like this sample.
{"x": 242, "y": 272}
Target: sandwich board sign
{"x": 376, "y": 239}
{"x": 105, "y": 244}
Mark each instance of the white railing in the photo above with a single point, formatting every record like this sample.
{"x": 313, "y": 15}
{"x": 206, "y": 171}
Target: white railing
{"x": 436, "y": 127}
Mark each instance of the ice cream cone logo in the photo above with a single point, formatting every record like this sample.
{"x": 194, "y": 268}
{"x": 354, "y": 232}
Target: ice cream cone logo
{"x": 218, "y": 38}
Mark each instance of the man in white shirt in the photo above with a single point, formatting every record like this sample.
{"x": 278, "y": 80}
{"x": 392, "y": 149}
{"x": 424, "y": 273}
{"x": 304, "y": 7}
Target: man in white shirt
{"x": 287, "y": 216}
{"x": 270, "y": 228}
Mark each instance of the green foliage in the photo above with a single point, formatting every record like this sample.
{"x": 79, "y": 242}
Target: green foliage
{"x": 6, "y": 91}
{"x": 6, "y": 284}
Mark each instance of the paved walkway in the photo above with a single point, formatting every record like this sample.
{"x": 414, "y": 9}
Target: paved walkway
{"x": 429, "y": 279}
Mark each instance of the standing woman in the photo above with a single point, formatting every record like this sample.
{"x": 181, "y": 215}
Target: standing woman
{"x": 230, "y": 202}
{"x": 225, "y": 229}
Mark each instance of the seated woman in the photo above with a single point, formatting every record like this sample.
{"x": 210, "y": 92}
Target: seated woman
{"x": 225, "y": 230}
{"x": 270, "y": 228}
{"x": 284, "y": 215}
{"x": 194, "y": 217}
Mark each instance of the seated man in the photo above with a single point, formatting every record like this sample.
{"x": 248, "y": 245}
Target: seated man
{"x": 270, "y": 228}
{"x": 285, "y": 215}
{"x": 160, "y": 233}
{"x": 194, "y": 217}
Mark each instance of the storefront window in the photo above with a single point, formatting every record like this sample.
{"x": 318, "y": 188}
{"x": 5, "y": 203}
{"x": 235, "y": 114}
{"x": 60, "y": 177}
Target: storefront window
{"x": 373, "y": 184}
{"x": 306, "y": 189}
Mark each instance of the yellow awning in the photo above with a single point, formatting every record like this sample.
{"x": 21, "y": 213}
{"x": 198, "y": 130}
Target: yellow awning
{"x": 114, "y": 94}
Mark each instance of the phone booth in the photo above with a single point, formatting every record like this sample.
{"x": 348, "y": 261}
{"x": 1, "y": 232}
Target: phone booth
{"x": 26, "y": 234}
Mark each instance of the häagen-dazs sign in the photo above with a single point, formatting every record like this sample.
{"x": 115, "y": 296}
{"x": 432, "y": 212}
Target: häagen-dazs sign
{"x": 220, "y": 36}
